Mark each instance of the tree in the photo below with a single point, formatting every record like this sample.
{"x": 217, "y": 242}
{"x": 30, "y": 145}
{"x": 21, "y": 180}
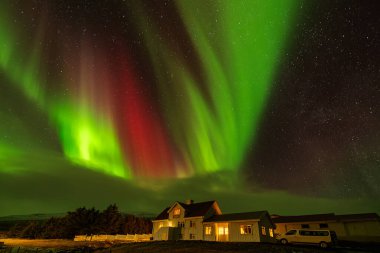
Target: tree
{"x": 111, "y": 220}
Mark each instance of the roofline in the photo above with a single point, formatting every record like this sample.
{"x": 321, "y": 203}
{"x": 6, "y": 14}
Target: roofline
{"x": 309, "y": 221}
{"x": 173, "y": 205}
{"x": 159, "y": 220}
{"x": 185, "y": 218}
{"x": 188, "y": 218}
{"x": 223, "y": 221}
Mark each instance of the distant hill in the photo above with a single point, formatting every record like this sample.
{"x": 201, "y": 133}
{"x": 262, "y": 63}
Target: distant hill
{"x": 29, "y": 217}
{"x": 45, "y": 216}
{"x": 144, "y": 214}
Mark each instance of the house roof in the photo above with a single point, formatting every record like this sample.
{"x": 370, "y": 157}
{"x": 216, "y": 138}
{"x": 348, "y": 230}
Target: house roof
{"x": 237, "y": 216}
{"x": 325, "y": 217}
{"x": 191, "y": 210}
{"x": 358, "y": 217}
{"x": 163, "y": 215}
{"x": 304, "y": 218}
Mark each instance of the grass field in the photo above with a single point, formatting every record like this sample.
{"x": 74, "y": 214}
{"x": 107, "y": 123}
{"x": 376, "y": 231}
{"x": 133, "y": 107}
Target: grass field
{"x": 48, "y": 243}
{"x": 174, "y": 247}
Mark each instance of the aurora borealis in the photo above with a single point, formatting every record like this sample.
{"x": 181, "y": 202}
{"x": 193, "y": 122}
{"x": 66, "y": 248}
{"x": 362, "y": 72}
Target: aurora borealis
{"x": 154, "y": 101}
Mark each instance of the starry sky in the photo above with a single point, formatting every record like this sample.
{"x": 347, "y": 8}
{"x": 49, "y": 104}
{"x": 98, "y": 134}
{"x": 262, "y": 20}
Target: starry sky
{"x": 260, "y": 105}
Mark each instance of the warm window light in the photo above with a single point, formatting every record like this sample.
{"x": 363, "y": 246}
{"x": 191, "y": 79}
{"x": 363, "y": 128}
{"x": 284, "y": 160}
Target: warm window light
{"x": 170, "y": 223}
{"x": 177, "y": 212}
{"x": 208, "y": 230}
{"x": 245, "y": 229}
{"x": 263, "y": 232}
{"x": 223, "y": 230}
{"x": 271, "y": 232}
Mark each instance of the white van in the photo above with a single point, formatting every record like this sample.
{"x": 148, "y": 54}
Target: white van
{"x": 307, "y": 236}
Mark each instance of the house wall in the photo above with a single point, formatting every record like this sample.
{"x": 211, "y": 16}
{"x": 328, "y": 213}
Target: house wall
{"x": 161, "y": 234}
{"x": 363, "y": 228}
{"x": 197, "y": 230}
{"x": 234, "y": 232}
{"x": 354, "y": 230}
{"x": 212, "y": 236}
{"x": 267, "y": 223}
{"x": 156, "y": 225}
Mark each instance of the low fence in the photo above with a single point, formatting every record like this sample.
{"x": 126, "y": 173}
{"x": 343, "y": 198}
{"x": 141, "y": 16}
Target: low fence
{"x": 111, "y": 238}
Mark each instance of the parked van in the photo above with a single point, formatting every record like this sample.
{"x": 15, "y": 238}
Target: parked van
{"x": 307, "y": 236}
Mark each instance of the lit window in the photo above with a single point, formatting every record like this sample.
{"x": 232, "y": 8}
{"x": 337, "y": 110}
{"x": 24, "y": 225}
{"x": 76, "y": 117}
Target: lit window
{"x": 271, "y": 232}
{"x": 177, "y": 212}
{"x": 245, "y": 229}
{"x": 223, "y": 230}
{"x": 208, "y": 230}
{"x": 263, "y": 231}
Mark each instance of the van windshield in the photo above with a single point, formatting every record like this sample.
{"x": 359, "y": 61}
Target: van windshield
{"x": 291, "y": 232}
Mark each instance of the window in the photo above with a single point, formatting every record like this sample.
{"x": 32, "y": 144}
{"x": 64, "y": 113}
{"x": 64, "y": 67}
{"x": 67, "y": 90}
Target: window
{"x": 271, "y": 232}
{"x": 305, "y": 226}
{"x": 263, "y": 231}
{"x": 208, "y": 230}
{"x": 181, "y": 224}
{"x": 323, "y": 225}
{"x": 321, "y": 233}
{"x": 305, "y": 232}
{"x": 291, "y": 232}
{"x": 177, "y": 212}
{"x": 222, "y": 230}
{"x": 314, "y": 233}
{"x": 192, "y": 236}
{"x": 192, "y": 224}
{"x": 245, "y": 229}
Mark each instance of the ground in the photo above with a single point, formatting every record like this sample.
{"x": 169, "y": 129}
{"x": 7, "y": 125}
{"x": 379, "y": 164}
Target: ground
{"x": 174, "y": 247}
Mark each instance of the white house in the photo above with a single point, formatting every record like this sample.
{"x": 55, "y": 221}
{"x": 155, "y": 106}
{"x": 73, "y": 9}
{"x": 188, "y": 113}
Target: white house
{"x": 205, "y": 221}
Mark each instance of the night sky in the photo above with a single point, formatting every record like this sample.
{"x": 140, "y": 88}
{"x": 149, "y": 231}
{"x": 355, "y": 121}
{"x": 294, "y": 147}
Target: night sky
{"x": 260, "y": 105}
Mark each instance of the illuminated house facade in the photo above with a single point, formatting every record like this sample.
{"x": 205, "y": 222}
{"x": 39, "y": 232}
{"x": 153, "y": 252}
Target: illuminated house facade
{"x": 205, "y": 221}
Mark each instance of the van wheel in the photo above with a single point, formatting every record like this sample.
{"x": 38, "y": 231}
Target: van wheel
{"x": 323, "y": 245}
{"x": 284, "y": 241}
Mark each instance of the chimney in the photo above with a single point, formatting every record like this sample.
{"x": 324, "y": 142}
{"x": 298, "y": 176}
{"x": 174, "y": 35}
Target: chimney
{"x": 189, "y": 201}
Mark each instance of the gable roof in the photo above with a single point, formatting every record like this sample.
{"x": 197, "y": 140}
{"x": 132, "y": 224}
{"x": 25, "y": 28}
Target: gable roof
{"x": 237, "y": 216}
{"x": 163, "y": 215}
{"x": 326, "y": 217}
{"x": 358, "y": 217}
{"x": 191, "y": 210}
{"x": 304, "y": 218}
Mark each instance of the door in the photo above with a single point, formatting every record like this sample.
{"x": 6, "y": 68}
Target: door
{"x": 222, "y": 232}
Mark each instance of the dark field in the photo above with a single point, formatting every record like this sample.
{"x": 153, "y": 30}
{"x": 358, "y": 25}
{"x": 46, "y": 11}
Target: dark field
{"x": 61, "y": 246}
{"x": 213, "y": 247}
